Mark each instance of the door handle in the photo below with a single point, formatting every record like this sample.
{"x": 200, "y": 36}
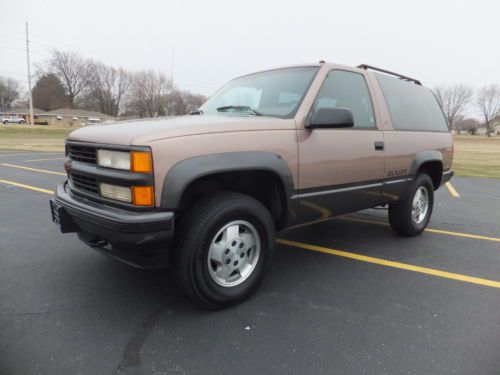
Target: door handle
{"x": 379, "y": 146}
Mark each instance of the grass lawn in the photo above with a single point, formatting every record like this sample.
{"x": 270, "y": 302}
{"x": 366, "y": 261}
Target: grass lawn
{"x": 33, "y": 138}
{"x": 476, "y": 156}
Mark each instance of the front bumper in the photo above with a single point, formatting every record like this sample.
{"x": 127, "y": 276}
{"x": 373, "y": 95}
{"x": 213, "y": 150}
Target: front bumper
{"x": 140, "y": 239}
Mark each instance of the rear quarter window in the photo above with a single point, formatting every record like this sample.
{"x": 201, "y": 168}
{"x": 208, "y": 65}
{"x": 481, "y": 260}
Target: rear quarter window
{"x": 411, "y": 106}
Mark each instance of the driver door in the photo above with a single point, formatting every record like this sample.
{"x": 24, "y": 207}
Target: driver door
{"x": 341, "y": 170}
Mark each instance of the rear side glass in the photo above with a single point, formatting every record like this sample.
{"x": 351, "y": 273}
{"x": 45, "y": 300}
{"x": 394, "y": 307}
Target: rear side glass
{"x": 411, "y": 106}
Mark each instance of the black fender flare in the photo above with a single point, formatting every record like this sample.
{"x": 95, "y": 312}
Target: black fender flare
{"x": 424, "y": 157}
{"x": 184, "y": 172}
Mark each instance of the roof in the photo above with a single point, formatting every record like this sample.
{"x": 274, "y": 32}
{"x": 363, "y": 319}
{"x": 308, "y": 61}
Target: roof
{"x": 77, "y": 113}
{"x": 24, "y": 111}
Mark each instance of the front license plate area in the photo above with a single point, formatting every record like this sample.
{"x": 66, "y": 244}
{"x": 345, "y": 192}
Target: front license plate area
{"x": 61, "y": 218}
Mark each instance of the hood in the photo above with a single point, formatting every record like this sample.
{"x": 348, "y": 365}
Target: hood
{"x": 142, "y": 132}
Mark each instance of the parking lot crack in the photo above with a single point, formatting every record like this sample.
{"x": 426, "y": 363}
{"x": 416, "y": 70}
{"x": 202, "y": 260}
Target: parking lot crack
{"x": 46, "y": 312}
{"x": 131, "y": 359}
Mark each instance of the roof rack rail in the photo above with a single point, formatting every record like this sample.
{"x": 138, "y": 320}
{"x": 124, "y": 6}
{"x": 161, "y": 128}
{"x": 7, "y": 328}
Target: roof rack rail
{"x": 400, "y": 76}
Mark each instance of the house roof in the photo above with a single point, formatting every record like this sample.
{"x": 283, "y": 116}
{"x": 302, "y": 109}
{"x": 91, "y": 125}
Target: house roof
{"x": 77, "y": 113}
{"x": 24, "y": 111}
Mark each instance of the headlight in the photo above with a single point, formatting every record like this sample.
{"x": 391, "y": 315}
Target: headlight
{"x": 113, "y": 159}
{"x": 119, "y": 193}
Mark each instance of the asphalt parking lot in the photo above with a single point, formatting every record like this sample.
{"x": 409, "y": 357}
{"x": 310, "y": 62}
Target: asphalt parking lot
{"x": 345, "y": 296}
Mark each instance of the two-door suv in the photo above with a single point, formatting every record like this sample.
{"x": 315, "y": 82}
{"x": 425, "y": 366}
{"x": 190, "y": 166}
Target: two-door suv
{"x": 205, "y": 193}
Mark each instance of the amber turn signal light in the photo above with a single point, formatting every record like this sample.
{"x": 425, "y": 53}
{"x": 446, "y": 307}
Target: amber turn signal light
{"x": 141, "y": 162}
{"x": 143, "y": 195}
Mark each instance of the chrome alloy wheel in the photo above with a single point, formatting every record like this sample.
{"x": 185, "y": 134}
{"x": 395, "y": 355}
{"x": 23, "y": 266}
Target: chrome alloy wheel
{"x": 420, "y": 205}
{"x": 234, "y": 253}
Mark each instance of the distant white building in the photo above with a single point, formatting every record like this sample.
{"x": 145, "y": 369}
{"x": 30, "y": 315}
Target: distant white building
{"x": 62, "y": 116}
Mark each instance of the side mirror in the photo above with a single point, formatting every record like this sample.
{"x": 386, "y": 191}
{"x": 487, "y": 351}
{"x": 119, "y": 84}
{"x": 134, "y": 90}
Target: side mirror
{"x": 331, "y": 118}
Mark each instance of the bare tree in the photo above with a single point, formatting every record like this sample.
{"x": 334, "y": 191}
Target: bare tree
{"x": 95, "y": 86}
{"x": 150, "y": 94}
{"x": 72, "y": 70}
{"x": 185, "y": 102}
{"x": 107, "y": 87}
{"x": 9, "y": 91}
{"x": 466, "y": 124}
{"x": 488, "y": 103}
{"x": 453, "y": 100}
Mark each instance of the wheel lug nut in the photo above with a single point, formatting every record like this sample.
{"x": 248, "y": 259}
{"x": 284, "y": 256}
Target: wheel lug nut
{"x": 235, "y": 263}
{"x": 242, "y": 255}
{"x": 228, "y": 261}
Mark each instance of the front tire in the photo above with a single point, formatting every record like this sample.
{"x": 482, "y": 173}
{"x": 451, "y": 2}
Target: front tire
{"x": 410, "y": 217}
{"x": 223, "y": 248}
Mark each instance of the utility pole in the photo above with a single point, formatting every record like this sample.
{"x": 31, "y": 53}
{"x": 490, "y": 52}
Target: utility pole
{"x": 171, "y": 84}
{"x": 32, "y": 119}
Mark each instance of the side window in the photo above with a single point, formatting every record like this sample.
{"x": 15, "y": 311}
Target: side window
{"x": 412, "y": 107}
{"x": 342, "y": 89}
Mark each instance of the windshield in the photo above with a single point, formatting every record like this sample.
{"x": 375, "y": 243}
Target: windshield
{"x": 275, "y": 93}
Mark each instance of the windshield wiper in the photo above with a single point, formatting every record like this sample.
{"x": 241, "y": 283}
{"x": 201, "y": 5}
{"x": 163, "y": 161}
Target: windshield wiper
{"x": 244, "y": 108}
{"x": 197, "y": 112}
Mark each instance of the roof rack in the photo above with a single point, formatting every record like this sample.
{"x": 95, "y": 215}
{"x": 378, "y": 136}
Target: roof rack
{"x": 400, "y": 76}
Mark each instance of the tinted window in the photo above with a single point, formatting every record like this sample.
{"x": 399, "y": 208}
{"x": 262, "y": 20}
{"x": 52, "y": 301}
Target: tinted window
{"x": 343, "y": 89}
{"x": 412, "y": 107}
{"x": 274, "y": 93}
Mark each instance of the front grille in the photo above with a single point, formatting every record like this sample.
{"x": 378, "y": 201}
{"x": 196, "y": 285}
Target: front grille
{"x": 85, "y": 154}
{"x": 87, "y": 184}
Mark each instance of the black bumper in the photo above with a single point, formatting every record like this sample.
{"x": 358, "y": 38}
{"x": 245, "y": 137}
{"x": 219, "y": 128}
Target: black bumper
{"x": 140, "y": 239}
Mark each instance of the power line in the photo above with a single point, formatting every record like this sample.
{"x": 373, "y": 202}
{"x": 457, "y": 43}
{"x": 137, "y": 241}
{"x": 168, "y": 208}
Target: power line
{"x": 53, "y": 44}
{"x": 11, "y": 37}
{"x": 56, "y": 45}
{"x": 12, "y": 74}
{"x": 11, "y": 48}
{"x": 11, "y": 31}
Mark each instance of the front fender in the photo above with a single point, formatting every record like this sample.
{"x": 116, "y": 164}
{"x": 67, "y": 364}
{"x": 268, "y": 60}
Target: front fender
{"x": 186, "y": 171}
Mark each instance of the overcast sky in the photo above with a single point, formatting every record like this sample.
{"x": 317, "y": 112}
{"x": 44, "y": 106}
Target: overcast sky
{"x": 439, "y": 41}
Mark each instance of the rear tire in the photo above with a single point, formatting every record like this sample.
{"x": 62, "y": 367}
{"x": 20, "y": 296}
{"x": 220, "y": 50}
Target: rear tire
{"x": 410, "y": 217}
{"x": 223, "y": 247}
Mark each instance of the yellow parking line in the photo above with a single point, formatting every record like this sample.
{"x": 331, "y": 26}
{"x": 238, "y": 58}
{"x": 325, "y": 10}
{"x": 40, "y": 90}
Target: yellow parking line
{"x": 46, "y": 159}
{"x": 325, "y": 212}
{"x": 29, "y": 187}
{"x": 33, "y": 153}
{"x": 377, "y": 222}
{"x": 452, "y": 190}
{"x": 430, "y": 230}
{"x": 33, "y": 169}
{"x": 458, "y": 234}
{"x": 389, "y": 263}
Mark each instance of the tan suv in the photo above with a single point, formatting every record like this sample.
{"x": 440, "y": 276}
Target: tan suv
{"x": 205, "y": 193}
